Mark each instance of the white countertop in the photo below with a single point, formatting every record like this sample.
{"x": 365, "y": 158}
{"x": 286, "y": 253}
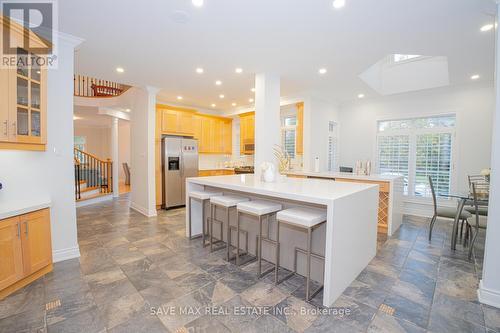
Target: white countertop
{"x": 19, "y": 207}
{"x": 318, "y": 191}
{"x": 346, "y": 175}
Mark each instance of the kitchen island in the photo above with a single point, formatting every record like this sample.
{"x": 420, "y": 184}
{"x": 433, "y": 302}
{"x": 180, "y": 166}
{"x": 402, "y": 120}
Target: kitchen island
{"x": 348, "y": 239}
{"x": 391, "y": 188}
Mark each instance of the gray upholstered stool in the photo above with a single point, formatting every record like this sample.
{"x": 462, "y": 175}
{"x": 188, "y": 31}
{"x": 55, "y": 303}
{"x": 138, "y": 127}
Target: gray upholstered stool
{"x": 260, "y": 209}
{"x": 202, "y": 196}
{"x": 307, "y": 219}
{"x": 226, "y": 202}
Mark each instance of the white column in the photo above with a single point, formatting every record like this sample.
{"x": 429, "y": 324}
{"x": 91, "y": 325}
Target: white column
{"x": 267, "y": 119}
{"x": 142, "y": 151}
{"x": 489, "y": 287}
{"x": 114, "y": 157}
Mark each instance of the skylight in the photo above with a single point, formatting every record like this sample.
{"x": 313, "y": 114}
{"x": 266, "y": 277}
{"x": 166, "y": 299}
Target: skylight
{"x": 404, "y": 57}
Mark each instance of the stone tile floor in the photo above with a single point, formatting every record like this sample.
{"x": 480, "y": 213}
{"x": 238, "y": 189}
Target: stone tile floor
{"x": 136, "y": 274}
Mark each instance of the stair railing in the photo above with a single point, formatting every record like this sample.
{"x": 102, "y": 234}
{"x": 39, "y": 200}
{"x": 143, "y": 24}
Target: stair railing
{"x": 92, "y": 171}
{"x": 85, "y": 86}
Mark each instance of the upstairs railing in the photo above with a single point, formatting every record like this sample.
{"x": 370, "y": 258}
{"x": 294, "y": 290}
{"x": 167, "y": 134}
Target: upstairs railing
{"x": 85, "y": 86}
{"x": 92, "y": 173}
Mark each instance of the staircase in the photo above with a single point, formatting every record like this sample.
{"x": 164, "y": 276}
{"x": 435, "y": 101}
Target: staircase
{"x": 93, "y": 176}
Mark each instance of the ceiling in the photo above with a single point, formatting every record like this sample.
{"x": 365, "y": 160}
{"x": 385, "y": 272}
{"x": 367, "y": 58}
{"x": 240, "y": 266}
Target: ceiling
{"x": 161, "y": 43}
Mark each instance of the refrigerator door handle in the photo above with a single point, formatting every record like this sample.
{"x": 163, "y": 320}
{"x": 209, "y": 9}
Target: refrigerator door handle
{"x": 181, "y": 164}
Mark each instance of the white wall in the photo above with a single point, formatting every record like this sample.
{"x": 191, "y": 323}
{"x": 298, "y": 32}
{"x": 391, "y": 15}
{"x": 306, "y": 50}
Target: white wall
{"x": 98, "y": 139}
{"x": 123, "y": 146}
{"x": 50, "y": 174}
{"x": 473, "y": 105}
{"x": 317, "y": 114}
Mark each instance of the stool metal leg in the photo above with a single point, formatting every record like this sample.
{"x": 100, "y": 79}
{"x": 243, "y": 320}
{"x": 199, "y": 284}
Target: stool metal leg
{"x": 259, "y": 249}
{"x": 189, "y": 203}
{"x": 211, "y": 227}
{"x": 228, "y": 234}
{"x": 237, "y": 238}
{"x": 309, "y": 236}
{"x": 277, "y": 252}
{"x": 203, "y": 228}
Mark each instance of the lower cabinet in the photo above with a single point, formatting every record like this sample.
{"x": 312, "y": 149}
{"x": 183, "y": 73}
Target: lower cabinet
{"x": 25, "y": 250}
{"x": 219, "y": 172}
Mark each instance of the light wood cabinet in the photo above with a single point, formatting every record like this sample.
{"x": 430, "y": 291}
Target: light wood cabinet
{"x": 176, "y": 121}
{"x": 11, "y": 265}
{"x": 214, "y": 134}
{"x": 247, "y": 133}
{"x": 217, "y": 172}
{"x": 299, "y": 145}
{"x": 25, "y": 250}
{"x": 37, "y": 249}
{"x": 23, "y": 101}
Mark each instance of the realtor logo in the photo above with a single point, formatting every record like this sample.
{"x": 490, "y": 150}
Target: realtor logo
{"x": 29, "y": 26}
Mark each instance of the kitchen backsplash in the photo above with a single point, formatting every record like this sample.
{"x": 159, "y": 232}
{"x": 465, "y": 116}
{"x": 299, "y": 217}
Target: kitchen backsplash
{"x": 211, "y": 161}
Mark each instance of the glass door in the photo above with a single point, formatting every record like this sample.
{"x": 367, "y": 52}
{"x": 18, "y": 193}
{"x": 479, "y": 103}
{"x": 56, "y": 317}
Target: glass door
{"x": 27, "y": 120}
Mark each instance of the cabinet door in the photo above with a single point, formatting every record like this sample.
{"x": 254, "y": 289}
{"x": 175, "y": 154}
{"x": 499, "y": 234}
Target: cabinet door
{"x": 4, "y": 104}
{"x": 37, "y": 249}
{"x": 11, "y": 263}
{"x": 27, "y": 103}
{"x": 299, "y": 145}
{"x": 197, "y": 128}
{"x": 169, "y": 122}
{"x": 251, "y": 129}
{"x": 227, "y": 137}
{"x": 185, "y": 120}
{"x": 206, "y": 136}
{"x": 217, "y": 136}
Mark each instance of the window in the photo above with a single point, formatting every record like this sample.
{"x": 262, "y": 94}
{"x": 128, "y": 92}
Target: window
{"x": 288, "y": 134}
{"x": 418, "y": 148}
{"x": 405, "y": 57}
{"x": 333, "y": 152}
{"x": 79, "y": 142}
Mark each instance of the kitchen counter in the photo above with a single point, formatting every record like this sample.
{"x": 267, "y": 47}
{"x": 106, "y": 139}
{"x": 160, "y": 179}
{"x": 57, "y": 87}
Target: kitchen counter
{"x": 345, "y": 175}
{"x": 19, "y": 207}
{"x": 391, "y": 189}
{"x": 348, "y": 239}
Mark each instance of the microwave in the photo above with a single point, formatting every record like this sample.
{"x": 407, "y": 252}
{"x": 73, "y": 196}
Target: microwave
{"x": 248, "y": 147}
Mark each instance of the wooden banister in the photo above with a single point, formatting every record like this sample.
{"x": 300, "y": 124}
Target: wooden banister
{"x": 92, "y": 171}
{"x": 85, "y": 86}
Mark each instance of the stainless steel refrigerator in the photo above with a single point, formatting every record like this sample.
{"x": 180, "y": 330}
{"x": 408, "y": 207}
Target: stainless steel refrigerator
{"x": 180, "y": 160}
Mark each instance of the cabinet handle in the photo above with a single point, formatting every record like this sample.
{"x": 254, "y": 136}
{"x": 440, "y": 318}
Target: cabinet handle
{"x": 26, "y": 228}
{"x": 6, "y": 123}
{"x": 18, "y": 230}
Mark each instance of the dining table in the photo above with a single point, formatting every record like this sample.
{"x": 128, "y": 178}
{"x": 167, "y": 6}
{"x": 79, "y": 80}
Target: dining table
{"x": 464, "y": 199}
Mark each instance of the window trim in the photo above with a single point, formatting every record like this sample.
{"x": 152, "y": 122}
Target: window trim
{"x": 412, "y": 149}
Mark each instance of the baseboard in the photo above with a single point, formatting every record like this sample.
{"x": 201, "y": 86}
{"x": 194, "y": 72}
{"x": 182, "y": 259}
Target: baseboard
{"x": 95, "y": 200}
{"x": 488, "y": 296}
{"x": 142, "y": 210}
{"x": 65, "y": 254}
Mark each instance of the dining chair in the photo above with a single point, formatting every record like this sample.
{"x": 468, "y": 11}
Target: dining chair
{"x": 443, "y": 212}
{"x": 477, "y": 190}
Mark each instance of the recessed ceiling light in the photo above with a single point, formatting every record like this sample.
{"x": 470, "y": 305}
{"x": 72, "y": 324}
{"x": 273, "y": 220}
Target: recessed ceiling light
{"x": 233, "y": 104}
{"x": 337, "y": 4}
{"x": 76, "y": 118}
{"x": 322, "y": 71}
{"x": 199, "y": 70}
{"x": 197, "y": 3}
{"x": 251, "y": 100}
{"x": 252, "y": 90}
{"x": 127, "y": 110}
{"x": 361, "y": 95}
{"x": 487, "y": 27}
{"x": 221, "y": 96}
{"x": 213, "y": 105}
{"x": 238, "y": 70}
{"x": 475, "y": 77}
{"x": 218, "y": 82}
{"x": 120, "y": 69}
{"x": 179, "y": 97}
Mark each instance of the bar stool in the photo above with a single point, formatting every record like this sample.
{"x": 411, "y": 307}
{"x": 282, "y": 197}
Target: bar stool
{"x": 260, "y": 209}
{"x": 307, "y": 219}
{"x": 226, "y": 202}
{"x": 202, "y": 196}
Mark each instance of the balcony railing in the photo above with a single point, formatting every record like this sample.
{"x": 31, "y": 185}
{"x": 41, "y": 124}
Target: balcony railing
{"x": 85, "y": 86}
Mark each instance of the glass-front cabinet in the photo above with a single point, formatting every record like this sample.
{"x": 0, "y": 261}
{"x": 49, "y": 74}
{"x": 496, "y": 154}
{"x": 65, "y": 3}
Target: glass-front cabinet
{"x": 23, "y": 124}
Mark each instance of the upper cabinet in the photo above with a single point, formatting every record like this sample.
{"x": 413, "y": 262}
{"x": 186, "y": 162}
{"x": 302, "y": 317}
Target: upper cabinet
{"x": 176, "y": 121}
{"x": 214, "y": 133}
{"x": 247, "y": 133}
{"x": 23, "y": 103}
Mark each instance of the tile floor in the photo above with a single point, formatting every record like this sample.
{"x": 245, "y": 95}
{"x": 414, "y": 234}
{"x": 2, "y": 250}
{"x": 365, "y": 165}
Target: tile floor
{"x": 142, "y": 275}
